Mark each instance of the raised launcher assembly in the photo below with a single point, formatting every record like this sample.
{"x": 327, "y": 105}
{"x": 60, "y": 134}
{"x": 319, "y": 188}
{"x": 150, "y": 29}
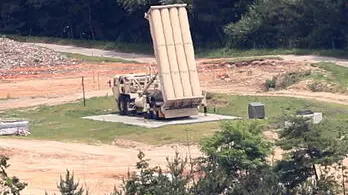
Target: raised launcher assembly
{"x": 174, "y": 91}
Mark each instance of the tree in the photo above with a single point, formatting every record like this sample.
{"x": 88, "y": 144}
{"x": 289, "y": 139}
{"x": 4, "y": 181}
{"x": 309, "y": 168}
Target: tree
{"x": 235, "y": 156}
{"x": 154, "y": 181}
{"x": 68, "y": 186}
{"x": 238, "y": 147}
{"x": 234, "y": 163}
{"x": 264, "y": 181}
{"x": 291, "y": 24}
{"x": 310, "y": 147}
{"x": 207, "y": 17}
{"x": 9, "y": 185}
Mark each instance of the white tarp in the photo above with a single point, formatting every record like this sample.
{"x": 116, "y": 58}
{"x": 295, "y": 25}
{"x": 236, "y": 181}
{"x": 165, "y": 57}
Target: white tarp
{"x": 14, "y": 128}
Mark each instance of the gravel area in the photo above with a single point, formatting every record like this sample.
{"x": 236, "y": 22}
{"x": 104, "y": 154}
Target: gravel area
{"x": 15, "y": 54}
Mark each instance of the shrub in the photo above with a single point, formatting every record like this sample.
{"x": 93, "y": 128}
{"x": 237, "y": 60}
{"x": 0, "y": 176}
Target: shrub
{"x": 291, "y": 78}
{"x": 285, "y": 80}
{"x": 68, "y": 186}
{"x": 9, "y": 185}
{"x": 209, "y": 96}
{"x": 318, "y": 86}
{"x": 270, "y": 84}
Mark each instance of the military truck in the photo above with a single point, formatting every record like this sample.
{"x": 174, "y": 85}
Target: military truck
{"x": 172, "y": 89}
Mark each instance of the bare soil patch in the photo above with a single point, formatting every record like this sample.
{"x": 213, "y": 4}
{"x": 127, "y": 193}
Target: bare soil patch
{"x": 61, "y": 80}
{"x": 40, "y": 163}
{"x": 33, "y": 86}
{"x": 248, "y": 76}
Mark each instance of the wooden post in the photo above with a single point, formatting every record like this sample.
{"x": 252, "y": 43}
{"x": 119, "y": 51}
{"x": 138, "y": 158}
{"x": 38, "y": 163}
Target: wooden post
{"x": 93, "y": 79}
{"x": 98, "y": 82}
{"x": 83, "y": 91}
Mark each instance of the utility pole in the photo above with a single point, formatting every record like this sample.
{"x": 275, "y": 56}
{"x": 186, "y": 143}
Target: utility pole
{"x": 83, "y": 91}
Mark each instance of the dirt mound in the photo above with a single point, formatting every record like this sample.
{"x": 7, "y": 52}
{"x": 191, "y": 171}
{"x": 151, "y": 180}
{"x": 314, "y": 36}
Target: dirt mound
{"x": 15, "y": 54}
{"x": 128, "y": 144}
{"x": 246, "y": 75}
{"x": 223, "y": 64}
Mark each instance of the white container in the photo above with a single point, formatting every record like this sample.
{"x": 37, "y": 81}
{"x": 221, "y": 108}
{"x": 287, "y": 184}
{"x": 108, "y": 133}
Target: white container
{"x": 14, "y": 128}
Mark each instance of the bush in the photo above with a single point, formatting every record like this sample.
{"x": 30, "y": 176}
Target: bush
{"x": 9, "y": 185}
{"x": 68, "y": 186}
{"x": 291, "y": 78}
{"x": 209, "y": 96}
{"x": 154, "y": 181}
{"x": 318, "y": 86}
{"x": 270, "y": 84}
{"x": 285, "y": 80}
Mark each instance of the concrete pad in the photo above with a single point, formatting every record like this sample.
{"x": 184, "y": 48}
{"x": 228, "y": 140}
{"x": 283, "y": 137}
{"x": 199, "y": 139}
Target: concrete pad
{"x": 139, "y": 121}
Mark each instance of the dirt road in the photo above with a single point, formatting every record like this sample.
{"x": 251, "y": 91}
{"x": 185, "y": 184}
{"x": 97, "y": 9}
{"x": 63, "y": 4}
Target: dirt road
{"x": 315, "y": 59}
{"x": 150, "y": 59}
{"x": 40, "y": 163}
{"x": 26, "y": 102}
{"x": 97, "y": 52}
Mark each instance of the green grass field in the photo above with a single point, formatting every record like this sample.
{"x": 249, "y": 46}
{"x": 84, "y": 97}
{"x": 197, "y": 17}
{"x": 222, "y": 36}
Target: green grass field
{"x": 64, "y": 122}
{"x": 96, "y": 58}
{"x": 338, "y": 75}
{"x": 243, "y": 59}
{"x": 227, "y": 52}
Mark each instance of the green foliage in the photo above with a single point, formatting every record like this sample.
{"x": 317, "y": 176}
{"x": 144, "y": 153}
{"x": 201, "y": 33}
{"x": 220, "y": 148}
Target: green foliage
{"x": 335, "y": 79}
{"x": 154, "y": 181}
{"x": 234, "y": 156}
{"x": 74, "y": 20}
{"x": 291, "y": 78}
{"x": 285, "y": 80}
{"x": 203, "y": 14}
{"x": 233, "y": 163}
{"x": 9, "y": 185}
{"x": 67, "y": 186}
{"x": 264, "y": 181}
{"x": 241, "y": 24}
{"x": 82, "y": 20}
{"x": 309, "y": 145}
{"x": 97, "y": 58}
{"x": 291, "y": 24}
{"x": 270, "y": 84}
{"x": 322, "y": 186}
{"x": 238, "y": 147}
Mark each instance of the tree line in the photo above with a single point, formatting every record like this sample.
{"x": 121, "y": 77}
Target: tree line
{"x": 237, "y": 160}
{"x": 224, "y": 23}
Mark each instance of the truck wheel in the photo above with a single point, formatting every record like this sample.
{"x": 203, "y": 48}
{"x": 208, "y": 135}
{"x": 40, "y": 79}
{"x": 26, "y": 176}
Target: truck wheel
{"x": 157, "y": 115}
{"x": 151, "y": 115}
{"x": 123, "y": 105}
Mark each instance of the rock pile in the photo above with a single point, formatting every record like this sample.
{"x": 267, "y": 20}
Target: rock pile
{"x": 231, "y": 65}
{"x": 15, "y": 54}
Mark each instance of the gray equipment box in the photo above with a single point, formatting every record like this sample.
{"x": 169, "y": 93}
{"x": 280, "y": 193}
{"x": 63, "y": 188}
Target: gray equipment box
{"x": 256, "y": 110}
